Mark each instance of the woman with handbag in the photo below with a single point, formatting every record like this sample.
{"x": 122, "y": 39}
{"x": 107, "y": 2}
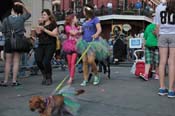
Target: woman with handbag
{"x": 47, "y": 32}
{"x": 69, "y": 45}
{"x": 16, "y": 21}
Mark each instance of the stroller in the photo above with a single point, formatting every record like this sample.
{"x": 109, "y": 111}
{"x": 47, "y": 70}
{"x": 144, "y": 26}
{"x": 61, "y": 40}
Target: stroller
{"x": 139, "y": 64}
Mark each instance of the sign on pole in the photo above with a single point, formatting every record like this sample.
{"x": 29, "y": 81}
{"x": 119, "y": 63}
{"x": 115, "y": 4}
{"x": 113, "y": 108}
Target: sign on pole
{"x": 135, "y": 43}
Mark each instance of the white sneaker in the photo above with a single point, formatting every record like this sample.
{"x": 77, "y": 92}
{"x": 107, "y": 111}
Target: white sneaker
{"x": 84, "y": 83}
{"x": 96, "y": 80}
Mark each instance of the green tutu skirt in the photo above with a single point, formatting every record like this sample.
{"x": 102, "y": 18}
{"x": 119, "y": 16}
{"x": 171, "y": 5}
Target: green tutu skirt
{"x": 70, "y": 103}
{"x": 99, "y": 47}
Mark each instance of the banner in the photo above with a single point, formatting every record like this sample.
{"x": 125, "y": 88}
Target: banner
{"x": 135, "y": 43}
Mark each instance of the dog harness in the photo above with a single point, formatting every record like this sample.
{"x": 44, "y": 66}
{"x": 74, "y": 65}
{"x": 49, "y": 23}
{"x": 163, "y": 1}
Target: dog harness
{"x": 49, "y": 101}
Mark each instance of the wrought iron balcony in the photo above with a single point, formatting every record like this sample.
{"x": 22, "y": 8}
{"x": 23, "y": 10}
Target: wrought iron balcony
{"x": 105, "y": 11}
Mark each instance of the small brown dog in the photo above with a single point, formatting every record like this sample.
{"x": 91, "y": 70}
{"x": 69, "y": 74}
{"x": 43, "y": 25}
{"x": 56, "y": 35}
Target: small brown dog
{"x": 46, "y": 106}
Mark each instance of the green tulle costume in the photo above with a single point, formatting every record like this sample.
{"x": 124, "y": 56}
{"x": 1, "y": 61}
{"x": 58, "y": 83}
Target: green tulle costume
{"x": 70, "y": 103}
{"x": 100, "y": 47}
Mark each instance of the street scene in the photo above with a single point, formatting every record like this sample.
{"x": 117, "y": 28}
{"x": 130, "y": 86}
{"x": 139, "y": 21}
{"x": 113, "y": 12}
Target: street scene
{"x": 87, "y": 57}
{"x": 122, "y": 95}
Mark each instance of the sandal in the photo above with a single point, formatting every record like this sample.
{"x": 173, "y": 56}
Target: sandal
{"x": 3, "y": 84}
{"x": 16, "y": 84}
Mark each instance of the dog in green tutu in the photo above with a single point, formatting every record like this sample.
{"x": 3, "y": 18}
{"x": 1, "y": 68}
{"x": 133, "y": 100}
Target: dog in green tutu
{"x": 61, "y": 104}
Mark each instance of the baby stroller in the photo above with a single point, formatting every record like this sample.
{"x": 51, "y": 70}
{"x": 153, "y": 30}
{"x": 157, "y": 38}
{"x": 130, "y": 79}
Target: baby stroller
{"x": 139, "y": 64}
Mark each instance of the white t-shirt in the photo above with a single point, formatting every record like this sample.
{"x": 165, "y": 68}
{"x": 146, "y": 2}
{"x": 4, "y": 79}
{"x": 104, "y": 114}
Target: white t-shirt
{"x": 167, "y": 25}
{"x": 158, "y": 9}
{"x": 109, "y": 5}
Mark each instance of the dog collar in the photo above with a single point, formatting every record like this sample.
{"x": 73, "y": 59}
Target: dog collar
{"x": 47, "y": 101}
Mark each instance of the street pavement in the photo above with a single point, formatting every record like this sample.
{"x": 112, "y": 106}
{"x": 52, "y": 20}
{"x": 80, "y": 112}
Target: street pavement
{"x": 122, "y": 95}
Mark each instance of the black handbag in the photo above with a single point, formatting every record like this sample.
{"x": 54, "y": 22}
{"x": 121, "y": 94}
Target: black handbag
{"x": 19, "y": 43}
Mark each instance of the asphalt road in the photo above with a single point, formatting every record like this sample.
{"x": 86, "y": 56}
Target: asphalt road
{"x": 122, "y": 95}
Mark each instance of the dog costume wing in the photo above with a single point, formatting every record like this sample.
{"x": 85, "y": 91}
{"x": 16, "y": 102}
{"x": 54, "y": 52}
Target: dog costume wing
{"x": 67, "y": 91}
{"x": 70, "y": 103}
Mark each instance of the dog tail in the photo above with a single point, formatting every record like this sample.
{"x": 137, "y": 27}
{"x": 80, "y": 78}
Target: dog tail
{"x": 80, "y": 91}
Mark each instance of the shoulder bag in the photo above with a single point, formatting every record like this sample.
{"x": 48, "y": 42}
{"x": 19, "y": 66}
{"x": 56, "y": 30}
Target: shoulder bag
{"x": 19, "y": 43}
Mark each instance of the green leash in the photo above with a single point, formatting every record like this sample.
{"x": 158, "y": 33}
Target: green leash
{"x": 67, "y": 76}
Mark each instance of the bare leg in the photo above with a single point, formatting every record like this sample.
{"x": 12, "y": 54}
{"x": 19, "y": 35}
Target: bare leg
{"x": 16, "y": 60}
{"x": 171, "y": 65}
{"x": 163, "y": 60}
{"x": 147, "y": 68}
{"x": 91, "y": 61}
{"x": 85, "y": 68}
{"x": 8, "y": 62}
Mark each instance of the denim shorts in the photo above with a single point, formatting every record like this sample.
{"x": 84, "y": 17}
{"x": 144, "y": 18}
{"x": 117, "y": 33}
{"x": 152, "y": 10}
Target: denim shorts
{"x": 166, "y": 41}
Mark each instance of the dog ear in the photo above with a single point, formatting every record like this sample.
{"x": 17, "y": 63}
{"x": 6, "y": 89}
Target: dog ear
{"x": 41, "y": 103}
{"x": 37, "y": 102}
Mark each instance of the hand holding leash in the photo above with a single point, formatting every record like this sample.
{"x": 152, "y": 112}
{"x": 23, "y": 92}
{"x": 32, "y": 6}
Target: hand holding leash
{"x": 94, "y": 36}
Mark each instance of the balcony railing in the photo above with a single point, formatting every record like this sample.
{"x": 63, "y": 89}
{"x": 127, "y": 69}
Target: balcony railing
{"x": 101, "y": 12}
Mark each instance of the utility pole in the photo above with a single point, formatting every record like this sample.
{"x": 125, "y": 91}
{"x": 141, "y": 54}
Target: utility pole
{"x": 123, "y": 5}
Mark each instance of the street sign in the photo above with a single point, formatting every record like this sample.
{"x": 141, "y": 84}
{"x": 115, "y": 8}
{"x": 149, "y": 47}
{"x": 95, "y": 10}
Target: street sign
{"x": 135, "y": 43}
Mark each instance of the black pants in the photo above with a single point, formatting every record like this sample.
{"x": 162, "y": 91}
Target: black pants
{"x": 43, "y": 56}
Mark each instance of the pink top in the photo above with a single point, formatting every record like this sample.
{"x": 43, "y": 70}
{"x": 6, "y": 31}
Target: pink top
{"x": 69, "y": 28}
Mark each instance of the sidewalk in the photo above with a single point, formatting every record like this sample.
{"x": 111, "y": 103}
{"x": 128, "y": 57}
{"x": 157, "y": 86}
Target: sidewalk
{"x": 123, "y": 95}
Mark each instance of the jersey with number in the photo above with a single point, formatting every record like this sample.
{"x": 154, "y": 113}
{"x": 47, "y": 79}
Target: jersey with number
{"x": 158, "y": 9}
{"x": 165, "y": 20}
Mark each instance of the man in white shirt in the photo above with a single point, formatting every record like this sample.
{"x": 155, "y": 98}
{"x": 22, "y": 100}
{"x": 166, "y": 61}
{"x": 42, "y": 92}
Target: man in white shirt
{"x": 109, "y": 7}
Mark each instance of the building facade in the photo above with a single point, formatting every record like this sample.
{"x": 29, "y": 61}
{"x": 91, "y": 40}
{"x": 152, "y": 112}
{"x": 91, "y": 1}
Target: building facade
{"x": 119, "y": 4}
{"x": 136, "y": 13}
{"x": 118, "y": 7}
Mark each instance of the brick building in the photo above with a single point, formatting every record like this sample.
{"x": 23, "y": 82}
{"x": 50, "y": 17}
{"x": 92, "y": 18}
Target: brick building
{"x": 123, "y": 12}
{"x": 122, "y": 4}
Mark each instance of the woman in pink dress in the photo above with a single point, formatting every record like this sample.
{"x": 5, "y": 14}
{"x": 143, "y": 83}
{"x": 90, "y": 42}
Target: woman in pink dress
{"x": 69, "y": 45}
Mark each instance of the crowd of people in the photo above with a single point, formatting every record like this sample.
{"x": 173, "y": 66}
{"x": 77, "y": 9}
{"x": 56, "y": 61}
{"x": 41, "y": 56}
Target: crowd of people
{"x": 84, "y": 40}
{"x": 44, "y": 38}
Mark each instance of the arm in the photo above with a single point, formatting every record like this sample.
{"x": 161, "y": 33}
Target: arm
{"x": 145, "y": 34}
{"x": 156, "y": 31}
{"x": 70, "y": 31}
{"x": 53, "y": 33}
{"x": 26, "y": 15}
{"x": 98, "y": 27}
{"x": 3, "y": 27}
{"x": 24, "y": 8}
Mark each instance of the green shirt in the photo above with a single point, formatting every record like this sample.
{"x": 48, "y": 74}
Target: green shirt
{"x": 149, "y": 36}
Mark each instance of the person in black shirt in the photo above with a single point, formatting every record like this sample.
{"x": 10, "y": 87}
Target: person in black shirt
{"x": 47, "y": 32}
